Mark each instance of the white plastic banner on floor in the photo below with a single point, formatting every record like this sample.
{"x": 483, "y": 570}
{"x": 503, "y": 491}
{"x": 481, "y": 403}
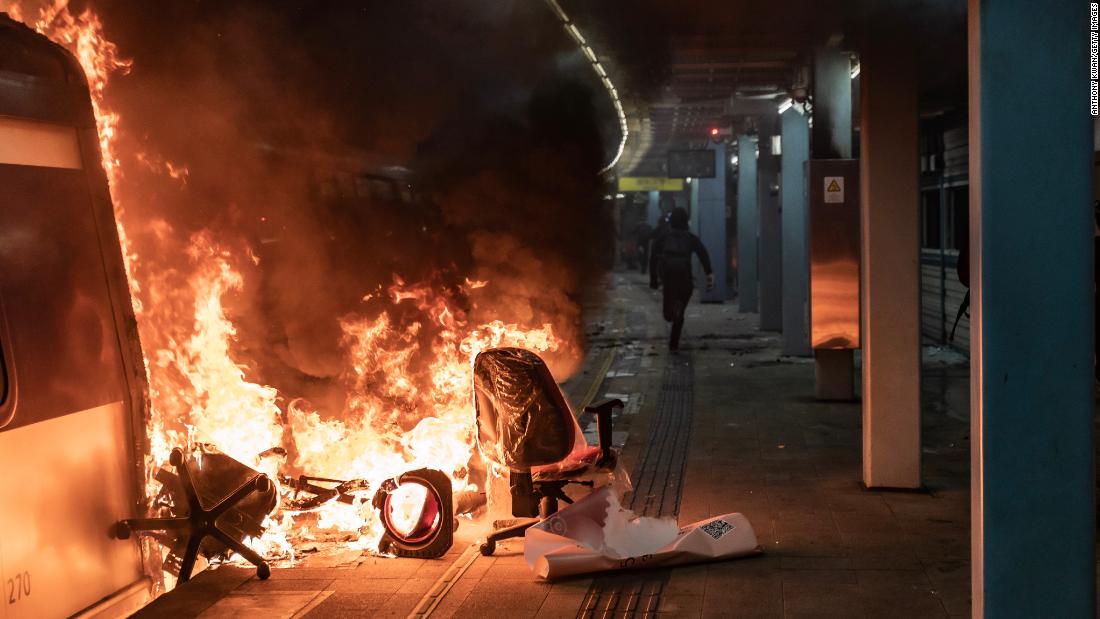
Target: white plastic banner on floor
{"x": 596, "y": 534}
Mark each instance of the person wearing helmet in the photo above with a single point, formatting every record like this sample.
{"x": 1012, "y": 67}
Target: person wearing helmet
{"x": 670, "y": 268}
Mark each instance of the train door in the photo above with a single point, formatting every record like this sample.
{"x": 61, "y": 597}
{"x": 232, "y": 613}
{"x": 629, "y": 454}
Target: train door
{"x": 70, "y": 386}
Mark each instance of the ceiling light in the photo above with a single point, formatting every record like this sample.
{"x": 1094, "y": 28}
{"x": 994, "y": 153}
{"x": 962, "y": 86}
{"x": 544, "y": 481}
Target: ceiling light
{"x": 589, "y": 53}
{"x": 576, "y": 34}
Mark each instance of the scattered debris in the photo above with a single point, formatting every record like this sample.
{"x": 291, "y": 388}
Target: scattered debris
{"x": 596, "y": 534}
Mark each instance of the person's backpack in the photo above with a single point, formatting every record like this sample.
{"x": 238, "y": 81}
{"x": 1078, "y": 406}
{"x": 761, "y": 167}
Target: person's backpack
{"x": 676, "y": 257}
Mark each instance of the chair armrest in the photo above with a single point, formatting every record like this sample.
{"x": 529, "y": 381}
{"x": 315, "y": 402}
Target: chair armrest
{"x": 602, "y": 412}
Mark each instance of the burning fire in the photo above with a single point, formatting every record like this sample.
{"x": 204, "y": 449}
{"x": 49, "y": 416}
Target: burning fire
{"x": 408, "y": 352}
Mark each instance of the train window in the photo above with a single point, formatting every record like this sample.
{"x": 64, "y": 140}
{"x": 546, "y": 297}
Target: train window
{"x": 26, "y": 142}
{"x": 16, "y": 57}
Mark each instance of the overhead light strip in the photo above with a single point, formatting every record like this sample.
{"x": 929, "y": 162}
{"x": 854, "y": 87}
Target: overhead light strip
{"x": 787, "y": 103}
{"x": 601, "y": 73}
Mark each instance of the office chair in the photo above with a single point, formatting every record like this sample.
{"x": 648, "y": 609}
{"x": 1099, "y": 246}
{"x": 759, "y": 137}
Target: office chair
{"x": 239, "y": 499}
{"x": 525, "y": 425}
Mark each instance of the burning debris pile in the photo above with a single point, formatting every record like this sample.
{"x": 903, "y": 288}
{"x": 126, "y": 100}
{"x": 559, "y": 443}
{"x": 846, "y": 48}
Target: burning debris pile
{"x": 268, "y": 337}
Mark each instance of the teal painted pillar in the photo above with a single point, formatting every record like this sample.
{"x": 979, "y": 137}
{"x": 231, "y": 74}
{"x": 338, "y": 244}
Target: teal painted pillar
{"x": 1033, "y": 484}
{"x": 693, "y": 205}
{"x": 709, "y": 218}
{"x": 770, "y": 264}
{"x": 653, "y": 208}
{"x": 795, "y": 140}
{"x": 748, "y": 225}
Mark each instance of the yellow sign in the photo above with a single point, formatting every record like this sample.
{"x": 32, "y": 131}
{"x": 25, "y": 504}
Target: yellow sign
{"x": 834, "y": 190}
{"x": 650, "y": 183}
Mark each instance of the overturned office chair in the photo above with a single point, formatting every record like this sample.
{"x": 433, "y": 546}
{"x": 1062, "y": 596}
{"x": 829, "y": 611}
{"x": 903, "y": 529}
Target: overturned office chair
{"x": 525, "y": 425}
{"x": 239, "y": 499}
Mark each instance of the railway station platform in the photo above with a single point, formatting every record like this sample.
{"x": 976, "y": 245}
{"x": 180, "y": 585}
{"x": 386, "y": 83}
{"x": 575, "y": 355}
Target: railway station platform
{"x": 726, "y": 424}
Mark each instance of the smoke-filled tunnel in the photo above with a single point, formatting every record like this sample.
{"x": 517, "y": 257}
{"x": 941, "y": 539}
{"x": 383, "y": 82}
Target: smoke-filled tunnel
{"x": 547, "y": 308}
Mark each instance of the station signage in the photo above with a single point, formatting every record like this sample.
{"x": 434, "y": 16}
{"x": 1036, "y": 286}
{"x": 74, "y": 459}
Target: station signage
{"x": 650, "y": 183}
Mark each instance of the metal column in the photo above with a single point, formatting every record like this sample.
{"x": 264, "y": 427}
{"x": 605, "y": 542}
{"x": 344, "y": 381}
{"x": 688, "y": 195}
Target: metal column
{"x": 692, "y": 206}
{"x": 831, "y": 138}
{"x": 747, "y": 224}
{"x": 796, "y": 258}
{"x": 770, "y": 265}
{"x": 832, "y": 130}
{"x": 709, "y": 218}
{"x": 653, "y": 208}
{"x": 1033, "y": 524}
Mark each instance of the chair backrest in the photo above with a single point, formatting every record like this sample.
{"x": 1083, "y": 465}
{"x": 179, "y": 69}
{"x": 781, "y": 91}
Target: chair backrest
{"x": 522, "y": 418}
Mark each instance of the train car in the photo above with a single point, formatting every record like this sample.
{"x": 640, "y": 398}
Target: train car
{"x": 72, "y": 387}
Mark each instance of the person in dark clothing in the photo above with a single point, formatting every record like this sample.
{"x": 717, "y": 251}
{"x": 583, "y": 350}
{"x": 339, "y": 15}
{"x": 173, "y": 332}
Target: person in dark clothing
{"x": 643, "y": 232}
{"x": 658, "y": 232}
{"x": 670, "y": 267}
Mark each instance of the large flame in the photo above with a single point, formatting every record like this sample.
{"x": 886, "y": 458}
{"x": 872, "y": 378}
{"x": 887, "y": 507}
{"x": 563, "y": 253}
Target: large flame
{"x": 408, "y": 351}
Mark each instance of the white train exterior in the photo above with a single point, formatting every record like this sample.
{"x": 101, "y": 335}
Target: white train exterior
{"x": 72, "y": 387}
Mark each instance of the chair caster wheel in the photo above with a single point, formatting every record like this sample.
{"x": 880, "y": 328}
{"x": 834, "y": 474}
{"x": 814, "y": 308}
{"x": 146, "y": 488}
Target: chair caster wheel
{"x": 263, "y": 572}
{"x": 488, "y": 548}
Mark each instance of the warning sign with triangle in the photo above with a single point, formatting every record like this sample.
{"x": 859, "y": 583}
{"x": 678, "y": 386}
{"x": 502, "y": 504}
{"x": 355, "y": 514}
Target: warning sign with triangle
{"x": 834, "y": 189}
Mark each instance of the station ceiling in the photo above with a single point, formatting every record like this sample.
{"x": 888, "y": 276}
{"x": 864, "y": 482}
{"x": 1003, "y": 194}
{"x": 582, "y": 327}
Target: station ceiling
{"x": 687, "y": 67}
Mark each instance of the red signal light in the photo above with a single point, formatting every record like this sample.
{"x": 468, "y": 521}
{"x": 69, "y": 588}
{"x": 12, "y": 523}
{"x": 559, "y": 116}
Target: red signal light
{"x": 714, "y": 132}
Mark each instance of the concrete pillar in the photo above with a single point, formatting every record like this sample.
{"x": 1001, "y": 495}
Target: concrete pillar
{"x": 692, "y": 205}
{"x": 796, "y": 258}
{"x": 770, "y": 266}
{"x": 1033, "y": 523}
{"x": 831, "y": 138}
{"x": 747, "y": 224}
{"x": 709, "y": 214}
{"x": 890, "y": 264}
{"x": 653, "y": 208}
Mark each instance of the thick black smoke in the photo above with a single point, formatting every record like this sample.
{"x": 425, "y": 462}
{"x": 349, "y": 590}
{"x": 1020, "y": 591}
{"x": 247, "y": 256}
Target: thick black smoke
{"x": 261, "y": 101}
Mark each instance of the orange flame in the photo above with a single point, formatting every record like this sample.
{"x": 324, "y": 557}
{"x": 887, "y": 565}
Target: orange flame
{"x": 408, "y": 364}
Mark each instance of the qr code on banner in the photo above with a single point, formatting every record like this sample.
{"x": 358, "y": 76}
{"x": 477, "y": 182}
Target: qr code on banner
{"x": 717, "y": 529}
